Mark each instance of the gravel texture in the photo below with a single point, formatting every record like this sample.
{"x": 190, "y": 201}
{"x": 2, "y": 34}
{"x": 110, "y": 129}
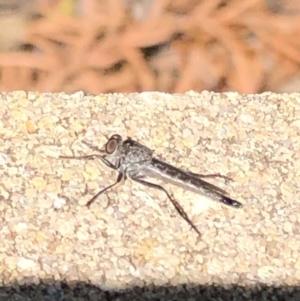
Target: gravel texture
{"x": 47, "y": 232}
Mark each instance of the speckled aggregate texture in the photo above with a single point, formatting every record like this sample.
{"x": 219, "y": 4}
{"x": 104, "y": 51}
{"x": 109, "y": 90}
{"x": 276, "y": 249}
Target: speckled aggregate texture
{"x": 47, "y": 232}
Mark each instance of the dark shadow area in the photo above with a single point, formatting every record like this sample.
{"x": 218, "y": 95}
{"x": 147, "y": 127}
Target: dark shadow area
{"x": 80, "y": 291}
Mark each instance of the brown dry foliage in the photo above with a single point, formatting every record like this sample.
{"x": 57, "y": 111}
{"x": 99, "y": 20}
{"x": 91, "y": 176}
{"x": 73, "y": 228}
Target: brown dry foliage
{"x": 171, "y": 45}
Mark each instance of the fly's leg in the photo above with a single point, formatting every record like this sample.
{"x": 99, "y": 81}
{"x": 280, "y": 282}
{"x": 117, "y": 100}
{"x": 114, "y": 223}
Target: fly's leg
{"x": 119, "y": 180}
{"x": 86, "y": 157}
{"x": 177, "y": 206}
{"x": 106, "y": 162}
{"x": 93, "y": 147}
{"x": 91, "y": 157}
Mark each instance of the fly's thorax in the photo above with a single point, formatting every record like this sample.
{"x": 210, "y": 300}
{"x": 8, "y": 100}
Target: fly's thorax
{"x": 137, "y": 156}
{"x": 135, "y": 160}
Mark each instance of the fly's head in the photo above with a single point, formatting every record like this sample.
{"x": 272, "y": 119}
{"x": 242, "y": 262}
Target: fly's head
{"x": 112, "y": 149}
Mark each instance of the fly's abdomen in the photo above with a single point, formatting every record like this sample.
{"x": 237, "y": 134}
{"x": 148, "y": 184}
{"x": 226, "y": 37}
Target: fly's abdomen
{"x": 230, "y": 202}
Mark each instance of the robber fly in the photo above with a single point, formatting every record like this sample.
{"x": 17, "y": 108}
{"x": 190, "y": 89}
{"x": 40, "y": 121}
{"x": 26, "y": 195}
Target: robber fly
{"x": 136, "y": 161}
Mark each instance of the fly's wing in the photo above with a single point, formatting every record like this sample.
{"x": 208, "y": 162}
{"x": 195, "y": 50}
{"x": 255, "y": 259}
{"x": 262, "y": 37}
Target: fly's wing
{"x": 179, "y": 177}
{"x": 210, "y": 186}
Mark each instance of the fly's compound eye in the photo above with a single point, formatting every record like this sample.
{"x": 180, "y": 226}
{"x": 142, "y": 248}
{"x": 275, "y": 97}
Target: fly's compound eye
{"x": 112, "y": 144}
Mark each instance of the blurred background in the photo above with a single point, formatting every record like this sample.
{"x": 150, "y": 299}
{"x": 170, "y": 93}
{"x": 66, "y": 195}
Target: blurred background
{"x": 102, "y": 46}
